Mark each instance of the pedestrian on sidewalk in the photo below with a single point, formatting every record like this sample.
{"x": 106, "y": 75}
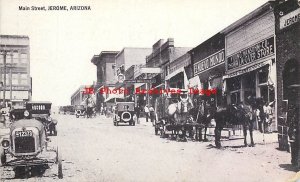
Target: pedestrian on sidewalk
{"x": 146, "y": 109}
{"x": 152, "y": 115}
{"x": 137, "y": 111}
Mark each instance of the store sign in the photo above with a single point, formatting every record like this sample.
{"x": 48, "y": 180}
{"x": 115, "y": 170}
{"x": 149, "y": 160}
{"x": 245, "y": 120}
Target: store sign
{"x": 209, "y": 62}
{"x": 248, "y": 69}
{"x": 289, "y": 19}
{"x": 253, "y": 53}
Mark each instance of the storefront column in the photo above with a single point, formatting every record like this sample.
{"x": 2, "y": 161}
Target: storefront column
{"x": 257, "y": 88}
{"x": 242, "y": 89}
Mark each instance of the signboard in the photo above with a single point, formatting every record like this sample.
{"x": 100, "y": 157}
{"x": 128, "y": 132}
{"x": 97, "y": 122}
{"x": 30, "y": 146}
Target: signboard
{"x": 209, "y": 62}
{"x": 253, "y": 53}
{"x": 150, "y": 70}
{"x": 289, "y": 19}
{"x": 140, "y": 81}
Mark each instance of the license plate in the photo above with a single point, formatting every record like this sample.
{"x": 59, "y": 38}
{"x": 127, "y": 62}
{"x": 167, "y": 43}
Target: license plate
{"x": 25, "y": 133}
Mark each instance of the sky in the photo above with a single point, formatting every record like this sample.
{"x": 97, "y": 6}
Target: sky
{"x": 62, "y": 43}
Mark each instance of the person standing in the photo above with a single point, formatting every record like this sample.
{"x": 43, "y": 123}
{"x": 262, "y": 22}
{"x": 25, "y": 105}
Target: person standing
{"x": 137, "y": 111}
{"x": 146, "y": 109}
{"x": 151, "y": 113}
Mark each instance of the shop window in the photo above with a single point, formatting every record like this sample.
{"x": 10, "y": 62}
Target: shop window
{"x": 235, "y": 98}
{"x": 249, "y": 80}
{"x": 234, "y": 83}
{"x": 267, "y": 93}
{"x": 263, "y": 75}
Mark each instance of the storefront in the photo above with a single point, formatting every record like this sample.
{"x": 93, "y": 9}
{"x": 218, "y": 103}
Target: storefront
{"x": 177, "y": 76}
{"x": 250, "y": 59}
{"x": 208, "y": 60}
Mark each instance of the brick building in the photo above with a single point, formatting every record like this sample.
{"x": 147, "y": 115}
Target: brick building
{"x": 287, "y": 15}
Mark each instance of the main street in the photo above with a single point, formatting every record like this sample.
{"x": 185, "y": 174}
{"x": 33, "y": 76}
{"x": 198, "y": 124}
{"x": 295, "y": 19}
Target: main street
{"x": 95, "y": 150}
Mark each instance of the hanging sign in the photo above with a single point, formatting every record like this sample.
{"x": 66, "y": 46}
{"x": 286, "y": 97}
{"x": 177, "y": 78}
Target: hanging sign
{"x": 290, "y": 19}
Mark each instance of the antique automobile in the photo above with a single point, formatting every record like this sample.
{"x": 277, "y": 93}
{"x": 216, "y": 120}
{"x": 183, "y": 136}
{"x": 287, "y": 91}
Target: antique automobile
{"x": 25, "y": 148}
{"x": 80, "y": 111}
{"x": 42, "y": 112}
{"x": 124, "y": 113}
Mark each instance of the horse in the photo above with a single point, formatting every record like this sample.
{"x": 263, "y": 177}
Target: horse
{"x": 182, "y": 118}
{"x": 234, "y": 115}
{"x": 173, "y": 115}
{"x": 202, "y": 116}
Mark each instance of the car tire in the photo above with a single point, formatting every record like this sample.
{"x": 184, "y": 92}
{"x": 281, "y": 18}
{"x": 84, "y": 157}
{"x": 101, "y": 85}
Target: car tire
{"x": 133, "y": 123}
{"x": 77, "y": 116}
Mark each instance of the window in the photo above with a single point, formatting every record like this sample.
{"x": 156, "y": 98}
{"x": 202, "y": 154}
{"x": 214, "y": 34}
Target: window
{"x": 263, "y": 75}
{"x": 15, "y": 80}
{"x": 15, "y": 57}
{"x": 24, "y": 79}
{"x": 1, "y": 59}
{"x": 23, "y": 58}
{"x": 234, "y": 83}
{"x": 249, "y": 80}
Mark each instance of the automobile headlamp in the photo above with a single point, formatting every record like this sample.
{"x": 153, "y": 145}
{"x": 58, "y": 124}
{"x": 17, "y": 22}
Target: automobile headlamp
{"x": 26, "y": 113}
{"x": 5, "y": 143}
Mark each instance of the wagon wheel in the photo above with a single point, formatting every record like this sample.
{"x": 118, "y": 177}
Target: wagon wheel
{"x": 59, "y": 162}
{"x": 3, "y": 158}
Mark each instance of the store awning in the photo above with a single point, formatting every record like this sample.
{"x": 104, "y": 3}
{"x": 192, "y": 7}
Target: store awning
{"x": 169, "y": 76}
{"x": 137, "y": 85}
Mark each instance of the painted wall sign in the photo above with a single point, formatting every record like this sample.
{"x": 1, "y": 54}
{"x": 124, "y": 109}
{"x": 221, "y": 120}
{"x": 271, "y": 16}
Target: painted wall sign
{"x": 209, "y": 62}
{"x": 289, "y": 19}
{"x": 255, "y": 52}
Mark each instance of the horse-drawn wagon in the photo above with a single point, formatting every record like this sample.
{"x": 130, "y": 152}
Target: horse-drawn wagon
{"x": 173, "y": 115}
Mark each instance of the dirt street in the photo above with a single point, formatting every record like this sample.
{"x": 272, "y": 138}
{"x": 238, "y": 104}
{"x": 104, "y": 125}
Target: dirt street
{"x": 95, "y": 150}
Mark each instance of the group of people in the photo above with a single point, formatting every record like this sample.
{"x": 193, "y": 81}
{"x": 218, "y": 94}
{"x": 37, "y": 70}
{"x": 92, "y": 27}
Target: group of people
{"x": 149, "y": 113}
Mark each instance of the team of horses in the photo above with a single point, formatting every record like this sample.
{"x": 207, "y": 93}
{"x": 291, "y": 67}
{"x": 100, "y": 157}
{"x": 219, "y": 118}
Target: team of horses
{"x": 189, "y": 117}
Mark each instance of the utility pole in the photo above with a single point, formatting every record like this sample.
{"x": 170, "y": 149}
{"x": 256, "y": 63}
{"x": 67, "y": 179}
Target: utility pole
{"x": 4, "y": 81}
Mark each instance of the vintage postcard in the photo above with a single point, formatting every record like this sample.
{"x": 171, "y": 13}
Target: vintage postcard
{"x": 150, "y": 91}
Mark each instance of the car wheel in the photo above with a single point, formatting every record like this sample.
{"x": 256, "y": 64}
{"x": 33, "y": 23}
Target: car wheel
{"x": 117, "y": 124}
{"x": 133, "y": 123}
{"x": 77, "y": 116}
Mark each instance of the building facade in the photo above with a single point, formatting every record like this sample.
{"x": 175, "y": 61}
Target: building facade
{"x": 78, "y": 96}
{"x": 208, "y": 60}
{"x": 250, "y": 61}
{"x": 105, "y": 63}
{"x": 287, "y": 15}
{"x": 163, "y": 53}
{"x": 15, "y": 69}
